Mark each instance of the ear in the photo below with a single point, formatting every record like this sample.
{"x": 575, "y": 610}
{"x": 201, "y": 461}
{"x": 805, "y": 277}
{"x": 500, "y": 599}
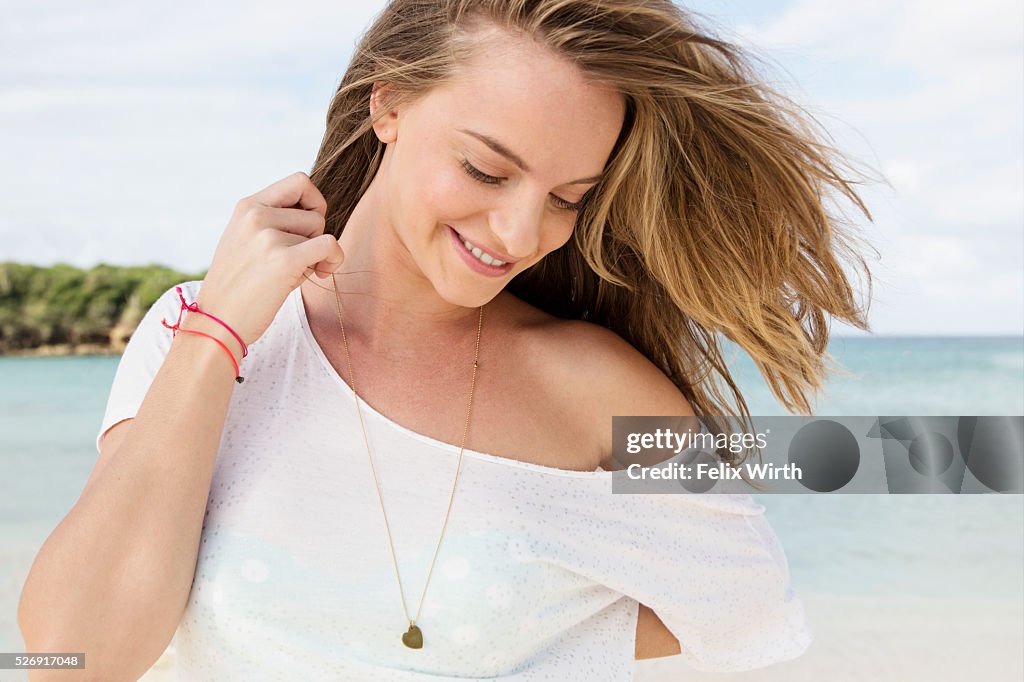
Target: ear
{"x": 386, "y": 126}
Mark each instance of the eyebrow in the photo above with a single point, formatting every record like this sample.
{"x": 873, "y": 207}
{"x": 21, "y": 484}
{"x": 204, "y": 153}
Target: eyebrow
{"x": 501, "y": 149}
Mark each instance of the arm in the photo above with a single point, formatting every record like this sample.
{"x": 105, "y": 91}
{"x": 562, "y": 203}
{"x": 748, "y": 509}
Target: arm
{"x": 657, "y": 396}
{"x": 114, "y": 576}
{"x": 709, "y": 566}
{"x": 619, "y": 380}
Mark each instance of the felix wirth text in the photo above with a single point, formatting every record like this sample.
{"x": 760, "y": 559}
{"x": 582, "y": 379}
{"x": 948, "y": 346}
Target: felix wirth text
{"x": 663, "y": 439}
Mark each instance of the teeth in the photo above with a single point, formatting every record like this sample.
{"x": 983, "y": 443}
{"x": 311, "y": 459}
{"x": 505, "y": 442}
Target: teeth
{"x": 480, "y": 255}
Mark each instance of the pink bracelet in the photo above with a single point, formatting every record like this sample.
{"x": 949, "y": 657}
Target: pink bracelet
{"x": 194, "y": 307}
{"x": 175, "y": 330}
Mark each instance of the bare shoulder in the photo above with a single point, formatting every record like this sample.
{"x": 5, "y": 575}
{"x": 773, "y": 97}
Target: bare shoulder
{"x": 599, "y": 374}
{"x": 620, "y": 379}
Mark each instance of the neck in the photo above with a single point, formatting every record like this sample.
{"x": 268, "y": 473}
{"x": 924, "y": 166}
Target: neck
{"x": 388, "y": 306}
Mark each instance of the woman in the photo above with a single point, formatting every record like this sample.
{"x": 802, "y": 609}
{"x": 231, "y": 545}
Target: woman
{"x": 525, "y": 218}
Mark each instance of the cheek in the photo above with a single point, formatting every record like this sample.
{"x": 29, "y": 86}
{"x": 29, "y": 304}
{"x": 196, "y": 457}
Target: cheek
{"x": 443, "y": 194}
{"x": 557, "y": 233}
{"x": 427, "y": 183}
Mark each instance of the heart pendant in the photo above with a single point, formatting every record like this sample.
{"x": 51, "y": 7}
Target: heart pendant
{"x": 413, "y": 638}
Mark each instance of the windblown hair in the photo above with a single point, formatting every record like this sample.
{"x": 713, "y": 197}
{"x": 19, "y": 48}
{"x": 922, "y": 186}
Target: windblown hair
{"x": 718, "y": 214}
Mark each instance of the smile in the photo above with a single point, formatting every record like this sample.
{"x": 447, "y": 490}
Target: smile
{"x": 480, "y": 255}
{"x": 478, "y": 259}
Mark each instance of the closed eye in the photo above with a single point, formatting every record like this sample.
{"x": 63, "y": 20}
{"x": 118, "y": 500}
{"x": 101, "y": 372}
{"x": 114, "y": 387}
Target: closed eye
{"x": 480, "y": 176}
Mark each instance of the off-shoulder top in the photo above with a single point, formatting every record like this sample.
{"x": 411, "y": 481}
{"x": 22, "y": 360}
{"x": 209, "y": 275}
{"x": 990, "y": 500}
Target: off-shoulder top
{"x": 539, "y": 575}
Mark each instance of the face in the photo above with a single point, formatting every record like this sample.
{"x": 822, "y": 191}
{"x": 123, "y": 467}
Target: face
{"x": 500, "y": 157}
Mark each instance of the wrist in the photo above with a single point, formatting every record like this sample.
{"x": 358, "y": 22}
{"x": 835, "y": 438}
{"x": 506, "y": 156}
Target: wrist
{"x": 201, "y": 323}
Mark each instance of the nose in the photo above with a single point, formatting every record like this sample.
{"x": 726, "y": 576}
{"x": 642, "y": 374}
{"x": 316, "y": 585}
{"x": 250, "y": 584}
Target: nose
{"x": 518, "y": 225}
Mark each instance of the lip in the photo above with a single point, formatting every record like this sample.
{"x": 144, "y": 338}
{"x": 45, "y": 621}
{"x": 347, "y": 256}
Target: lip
{"x": 473, "y": 262}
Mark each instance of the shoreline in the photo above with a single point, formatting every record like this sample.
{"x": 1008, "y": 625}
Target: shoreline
{"x": 63, "y": 350}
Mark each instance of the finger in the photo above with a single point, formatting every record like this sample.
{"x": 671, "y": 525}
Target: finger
{"x": 295, "y": 221}
{"x": 295, "y": 190}
{"x": 323, "y": 254}
{"x": 325, "y": 269}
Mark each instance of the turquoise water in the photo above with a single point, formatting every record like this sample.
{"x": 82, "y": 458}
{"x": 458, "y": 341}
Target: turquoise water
{"x": 911, "y": 376}
{"x": 966, "y": 546}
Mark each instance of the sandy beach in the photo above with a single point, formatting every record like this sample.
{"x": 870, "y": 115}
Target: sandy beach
{"x": 890, "y": 639}
{"x": 866, "y": 639}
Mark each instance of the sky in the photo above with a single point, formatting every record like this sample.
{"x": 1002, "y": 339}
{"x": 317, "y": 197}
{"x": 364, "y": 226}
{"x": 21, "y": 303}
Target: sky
{"x": 130, "y": 131}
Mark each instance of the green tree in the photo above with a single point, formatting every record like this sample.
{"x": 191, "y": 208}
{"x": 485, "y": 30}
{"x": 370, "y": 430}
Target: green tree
{"x": 63, "y": 304}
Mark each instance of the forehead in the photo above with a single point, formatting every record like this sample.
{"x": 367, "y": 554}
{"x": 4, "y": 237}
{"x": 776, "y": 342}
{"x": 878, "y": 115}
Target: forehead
{"x": 536, "y": 102}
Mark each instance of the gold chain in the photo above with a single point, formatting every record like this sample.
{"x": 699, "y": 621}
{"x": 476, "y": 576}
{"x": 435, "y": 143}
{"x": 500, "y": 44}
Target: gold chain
{"x": 413, "y": 638}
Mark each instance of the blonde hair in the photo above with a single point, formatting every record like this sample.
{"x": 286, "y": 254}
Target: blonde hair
{"x": 717, "y": 215}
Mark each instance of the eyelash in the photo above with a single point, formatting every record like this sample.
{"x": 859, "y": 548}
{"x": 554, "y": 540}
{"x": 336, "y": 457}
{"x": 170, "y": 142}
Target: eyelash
{"x": 479, "y": 175}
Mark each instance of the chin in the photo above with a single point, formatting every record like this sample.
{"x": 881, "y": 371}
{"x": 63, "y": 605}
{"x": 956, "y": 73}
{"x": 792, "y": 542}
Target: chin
{"x": 468, "y": 295}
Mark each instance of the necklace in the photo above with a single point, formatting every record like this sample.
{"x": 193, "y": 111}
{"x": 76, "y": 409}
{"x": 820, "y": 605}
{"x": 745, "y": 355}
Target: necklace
{"x": 413, "y": 637}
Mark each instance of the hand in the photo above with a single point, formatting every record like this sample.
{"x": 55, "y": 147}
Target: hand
{"x": 272, "y": 239}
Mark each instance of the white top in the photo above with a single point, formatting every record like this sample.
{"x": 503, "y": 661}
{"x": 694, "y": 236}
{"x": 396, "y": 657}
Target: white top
{"x": 538, "y": 578}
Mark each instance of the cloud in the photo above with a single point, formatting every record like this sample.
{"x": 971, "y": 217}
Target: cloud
{"x": 68, "y": 39}
{"x": 905, "y": 175}
{"x": 931, "y": 94}
{"x": 130, "y": 130}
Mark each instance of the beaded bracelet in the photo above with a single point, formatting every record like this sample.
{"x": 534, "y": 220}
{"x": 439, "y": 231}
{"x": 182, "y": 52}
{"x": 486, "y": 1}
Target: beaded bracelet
{"x": 194, "y": 307}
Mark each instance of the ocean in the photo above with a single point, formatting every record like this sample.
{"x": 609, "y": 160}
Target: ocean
{"x": 871, "y": 546}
